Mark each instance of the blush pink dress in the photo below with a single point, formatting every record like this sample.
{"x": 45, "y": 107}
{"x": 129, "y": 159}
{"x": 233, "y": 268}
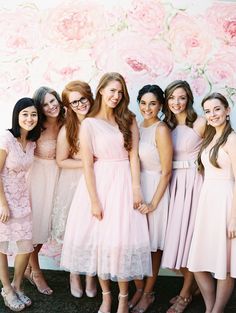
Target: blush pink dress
{"x": 117, "y": 247}
{"x": 211, "y": 250}
{"x": 185, "y": 188}
{"x": 43, "y": 179}
{"x": 150, "y": 177}
{"x": 16, "y": 234}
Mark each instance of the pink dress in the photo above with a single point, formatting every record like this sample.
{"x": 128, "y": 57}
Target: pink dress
{"x": 117, "y": 247}
{"x": 150, "y": 177}
{"x": 185, "y": 187}
{"x": 16, "y": 234}
{"x": 43, "y": 179}
{"x": 211, "y": 250}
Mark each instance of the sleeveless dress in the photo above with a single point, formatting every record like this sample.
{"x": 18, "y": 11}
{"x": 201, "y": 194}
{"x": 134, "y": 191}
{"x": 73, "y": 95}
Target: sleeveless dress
{"x": 64, "y": 193}
{"x": 117, "y": 247}
{"x": 150, "y": 177}
{"x": 16, "y": 234}
{"x": 43, "y": 179}
{"x": 217, "y": 252}
{"x": 185, "y": 188}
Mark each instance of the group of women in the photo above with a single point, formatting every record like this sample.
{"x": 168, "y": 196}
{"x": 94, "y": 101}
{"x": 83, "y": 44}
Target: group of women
{"x": 123, "y": 198}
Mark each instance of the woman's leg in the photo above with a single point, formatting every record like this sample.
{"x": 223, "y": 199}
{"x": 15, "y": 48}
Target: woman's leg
{"x": 106, "y": 296}
{"x": 91, "y": 286}
{"x": 4, "y": 273}
{"x": 123, "y": 297}
{"x": 36, "y": 274}
{"x": 224, "y": 290}
{"x": 20, "y": 265}
{"x": 207, "y": 287}
{"x": 139, "y": 284}
{"x": 76, "y": 288}
{"x": 148, "y": 296}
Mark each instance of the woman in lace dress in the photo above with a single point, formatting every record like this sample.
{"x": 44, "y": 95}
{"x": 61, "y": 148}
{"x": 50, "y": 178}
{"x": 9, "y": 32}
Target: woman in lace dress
{"x": 215, "y": 228}
{"x": 77, "y": 98}
{"x": 43, "y": 179}
{"x": 17, "y": 146}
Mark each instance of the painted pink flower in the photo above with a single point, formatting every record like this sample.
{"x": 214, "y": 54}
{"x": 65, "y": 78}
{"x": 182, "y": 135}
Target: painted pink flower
{"x": 222, "y": 17}
{"x": 19, "y": 30}
{"x": 189, "y": 40}
{"x": 134, "y": 56}
{"x": 222, "y": 67}
{"x": 71, "y": 24}
{"x": 147, "y": 17}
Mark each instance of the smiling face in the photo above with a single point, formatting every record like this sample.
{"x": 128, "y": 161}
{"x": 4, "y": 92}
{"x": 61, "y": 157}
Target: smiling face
{"x": 28, "y": 118}
{"x": 78, "y": 103}
{"x": 112, "y": 94}
{"x": 215, "y": 112}
{"x": 178, "y": 101}
{"x": 51, "y": 107}
{"x": 149, "y": 106}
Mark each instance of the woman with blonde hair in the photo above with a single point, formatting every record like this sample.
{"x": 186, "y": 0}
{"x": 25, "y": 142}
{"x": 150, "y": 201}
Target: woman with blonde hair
{"x": 105, "y": 234}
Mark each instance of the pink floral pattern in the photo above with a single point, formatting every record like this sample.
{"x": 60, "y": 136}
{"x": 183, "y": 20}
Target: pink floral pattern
{"x": 147, "y": 41}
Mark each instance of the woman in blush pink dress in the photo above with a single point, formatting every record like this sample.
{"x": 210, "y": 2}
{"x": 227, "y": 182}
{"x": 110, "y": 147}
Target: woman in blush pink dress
{"x": 212, "y": 256}
{"x": 105, "y": 233}
{"x": 155, "y": 151}
{"x": 77, "y": 98}
{"x": 16, "y": 156}
{"x": 187, "y": 132}
{"x": 43, "y": 178}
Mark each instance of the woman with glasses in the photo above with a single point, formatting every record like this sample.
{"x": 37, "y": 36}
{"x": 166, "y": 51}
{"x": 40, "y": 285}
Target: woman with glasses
{"x": 105, "y": 233}
{"x": 43, "y": 179}
{"x": 77, "y": 98}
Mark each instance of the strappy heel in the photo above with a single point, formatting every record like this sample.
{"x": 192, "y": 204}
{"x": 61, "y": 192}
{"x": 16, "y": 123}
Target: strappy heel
{"x": 141, "y": 309}
{"x": 12, "y": 301}
{"x": 38, "y": 274}
{"x": 180, "y": 305}
{"x": 131, "y": 303}
{"x": 105, "y": 293}
{"x": 23, "y": 298}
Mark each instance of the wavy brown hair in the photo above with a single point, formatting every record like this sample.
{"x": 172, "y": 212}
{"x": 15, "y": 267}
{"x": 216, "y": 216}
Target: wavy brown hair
{"x": 170, "y": 118}
{"x": 123, "y": 116}
{"x": 39, "y": 96}
{"x": 72, "y": 123}
{"x": 210, "y": 133}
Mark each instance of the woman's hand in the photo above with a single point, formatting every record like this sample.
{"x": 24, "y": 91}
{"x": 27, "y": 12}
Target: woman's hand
{"x": 137, "y": 197}
{"x": 146, "y": 208}
{"x": 232, "y": 228}
{"x": 97, "y": 210}
{"x": 4, "y": 213}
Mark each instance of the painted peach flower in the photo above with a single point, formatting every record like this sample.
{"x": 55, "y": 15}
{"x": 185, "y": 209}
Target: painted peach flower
{"x": 147, "y": 17}
{"x": 221, "y": 68}
{"x": 19, "y": 30}
{"x": 72, "y": 24}
{"x": 189, "y": 40}
{"x": 133, "y": 55}
{"x": 222, "y": 17}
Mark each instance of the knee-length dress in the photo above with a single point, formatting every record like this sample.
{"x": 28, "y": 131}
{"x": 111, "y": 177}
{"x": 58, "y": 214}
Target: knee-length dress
{"x": 42, "y": 180}
{"x": 16, "y": 234}
{"x": 117, "y": 247}
{"x": 64, "y": 193}
{"x": 185, "y": 187}
{"x": 150, "y": 177}
{"x": 211, "y": 249}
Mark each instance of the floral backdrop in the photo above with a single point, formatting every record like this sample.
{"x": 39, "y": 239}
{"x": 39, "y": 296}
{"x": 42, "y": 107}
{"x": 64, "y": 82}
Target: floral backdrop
{"x": 148, "y": 41}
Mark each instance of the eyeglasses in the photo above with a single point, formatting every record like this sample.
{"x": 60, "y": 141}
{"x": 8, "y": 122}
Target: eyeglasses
{"x": 76, "y": 103}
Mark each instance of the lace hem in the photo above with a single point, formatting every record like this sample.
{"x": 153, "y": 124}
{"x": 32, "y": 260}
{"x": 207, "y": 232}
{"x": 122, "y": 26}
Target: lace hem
{"x": 117, "y": 264}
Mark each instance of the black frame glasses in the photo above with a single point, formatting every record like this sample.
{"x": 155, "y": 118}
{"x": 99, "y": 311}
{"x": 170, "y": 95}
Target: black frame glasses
{"x": 75, "y": 103}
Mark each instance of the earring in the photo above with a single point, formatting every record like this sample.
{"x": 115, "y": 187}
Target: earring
{"x": 227, "y": 117}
